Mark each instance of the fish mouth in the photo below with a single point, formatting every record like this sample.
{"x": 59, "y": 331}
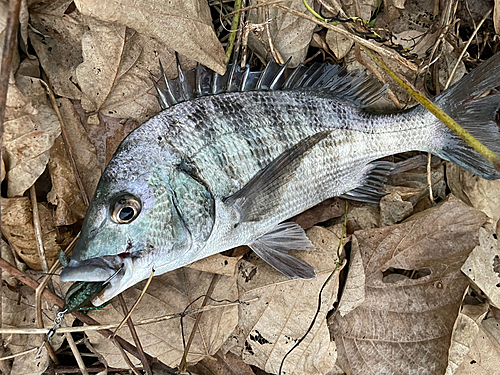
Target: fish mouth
{"x": 117, "y": 271}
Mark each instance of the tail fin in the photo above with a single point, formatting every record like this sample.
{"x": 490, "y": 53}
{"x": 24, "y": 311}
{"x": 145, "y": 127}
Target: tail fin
{"x": 476, "y": 114}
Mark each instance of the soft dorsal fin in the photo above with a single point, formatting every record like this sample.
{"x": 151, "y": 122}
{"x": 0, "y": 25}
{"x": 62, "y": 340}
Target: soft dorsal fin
{"x": 330, "y": 80}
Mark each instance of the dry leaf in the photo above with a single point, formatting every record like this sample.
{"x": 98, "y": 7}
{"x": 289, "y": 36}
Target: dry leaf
{"x": 219, "y": 364}
{"x": 324, "y": 211}
{"x": 57, "y": 39}
{"x": 217, "y": 263}
{"x": 65, "y": 192}
{"x": 482, "y": 359}
{"x": 483, "y": 265}
{"x": 185, "y": 26}
{"x": 290, "y": 34}
{"x": 30, "y": 129}
{"x": 480, "y": 193}
{"x": 467, "y": 326}
{"x": 393, "y": 209}
{"x": 339, "y": 44}
{"x": 167, "y": 294}
{"x": 17, "y": 227}
{"x": 409, "y": 318}
{"x": 270, "y": 326}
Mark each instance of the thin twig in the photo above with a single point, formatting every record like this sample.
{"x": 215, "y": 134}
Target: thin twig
{"x": 274, "y": 52}
{"x": 145, "y": 363}
{"x": 359, "y": 40}
{"x": 41, "y": 254}
{"x": 210, "y": 290}
{"x": 125, "y": 356}
{"x": 429, "y": 178}
{"x": 38, "y": 230}
{"x": 44, "y": 331}
{"x": 234, "y": 27}
{"x": 18, "y": 354}
{"x": 28, "y": 281}
{"x": 465, "y": 48}
{"x": 67, "y": 144}
{"x": 136, "y": 302}
{"x": 76, "y": 353}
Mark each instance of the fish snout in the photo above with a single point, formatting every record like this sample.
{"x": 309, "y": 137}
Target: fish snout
{"x": 92, "y": 270}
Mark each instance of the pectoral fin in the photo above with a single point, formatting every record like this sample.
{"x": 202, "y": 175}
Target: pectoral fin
{"x": 273, "y": 249}
{"x": 261, "y": 196}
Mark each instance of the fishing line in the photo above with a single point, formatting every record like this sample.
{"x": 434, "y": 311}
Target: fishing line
{"x": 318, "y": 309}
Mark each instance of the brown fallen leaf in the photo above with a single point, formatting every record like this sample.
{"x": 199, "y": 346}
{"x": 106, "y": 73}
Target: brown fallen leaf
{"x": 483, "y": 265}
{"x": 185, "y": 26}
{"x": 480, "y": 193}
{"x": 17, "y": 227}
{"x": 407, "y": 323}
{"x": 56, "y": 37}
{"x": 270, "y": 326}
{"x": 30, "y": 128}
{"x": 115, "y": 74}
{"x": 65, "y": 192}
{"x": 167, "y": 294}
{"x": 290, "y": 34}
{"x": 496, "y": 16}
{"x": 219, "y": 364}
{"x": 217, "y": 263}
{"x": 324, "y": 211}
{"x": 482, "y": 359}
{"x": 467, "y": 326}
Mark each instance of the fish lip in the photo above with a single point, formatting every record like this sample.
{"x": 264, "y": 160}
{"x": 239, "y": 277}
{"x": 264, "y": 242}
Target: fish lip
{"x": 92, "y": 270}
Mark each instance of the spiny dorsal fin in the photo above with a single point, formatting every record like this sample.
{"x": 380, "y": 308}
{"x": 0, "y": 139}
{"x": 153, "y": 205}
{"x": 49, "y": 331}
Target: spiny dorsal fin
{"x": 331, "y": 80}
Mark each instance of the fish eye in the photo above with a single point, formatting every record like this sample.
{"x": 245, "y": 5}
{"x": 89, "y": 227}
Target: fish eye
{"x": 124, "y": 209}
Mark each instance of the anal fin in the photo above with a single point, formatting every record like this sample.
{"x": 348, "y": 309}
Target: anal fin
{"x": 273, "y": 249}
{"x": 371, "y": 183}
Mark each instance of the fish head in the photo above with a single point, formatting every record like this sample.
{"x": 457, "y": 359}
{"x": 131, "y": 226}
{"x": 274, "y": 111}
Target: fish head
{"x": 135, "y": 222}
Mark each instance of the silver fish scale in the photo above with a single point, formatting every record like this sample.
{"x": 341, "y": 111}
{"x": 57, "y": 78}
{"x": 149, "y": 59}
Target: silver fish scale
{"x": 228, "y": 138}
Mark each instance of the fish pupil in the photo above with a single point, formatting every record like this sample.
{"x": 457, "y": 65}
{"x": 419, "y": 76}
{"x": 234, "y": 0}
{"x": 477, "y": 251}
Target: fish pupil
{"x": 126, "y": 213}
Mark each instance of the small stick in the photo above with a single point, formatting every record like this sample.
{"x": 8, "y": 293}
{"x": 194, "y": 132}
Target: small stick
{"x": 44, "y": 331}
{"x": 429, "y": 178}
{"x": 210, "y": 290}
{"x": 264, "y": 4}
{"x": 136, "y": 302}
{"x": 145, "y": 363}
{"x": 38, "y": 230}
{"x": 466, "y": 46}
{"x": 361, "y": 41}
{"x": 76, "y": 353}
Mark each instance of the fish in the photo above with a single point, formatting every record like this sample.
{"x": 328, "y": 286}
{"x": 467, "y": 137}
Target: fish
{"x": 231, "y": 157}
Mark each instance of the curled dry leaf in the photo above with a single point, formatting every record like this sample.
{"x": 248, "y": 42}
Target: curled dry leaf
{"x": 413, "y": 316}
{"x": 17, "y": 227}
{"x": 467, "y": 326}
{"x": 57, "y": 39}
{"x": 482, "y": 358}
{"x": 30, "y": 128}
{"x": 481, "y": 194}
{"x": 115, "y": 76}
{"x": 65, "y": 192}
{"x": 496, "y": 16}
{"x": 393, "y": 209}
{"x": 483, "y": 265}
{"x": 290, "y": 34}
{"x": 185, "y": 26}
{"x": 168, "y": 294}
{"x": 270, "y": 326}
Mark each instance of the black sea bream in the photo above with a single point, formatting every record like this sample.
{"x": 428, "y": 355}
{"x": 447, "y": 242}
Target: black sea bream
{"x": 230, "y": 158}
